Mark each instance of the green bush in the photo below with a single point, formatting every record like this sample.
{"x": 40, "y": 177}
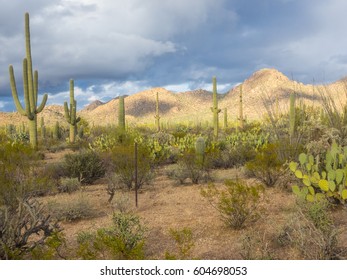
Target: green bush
{"x": 122, "y": 163}
{"x": 267, "y": 165}
{"x": 69, "y": 185}
{"x": 124, "y": 240}
{"x": 237, "y": 202}
{"x": 71, "y": 210}
{"x": 190, "y": 167}
{"x": 184, "y": 244}
{"x": 85, "y": 165}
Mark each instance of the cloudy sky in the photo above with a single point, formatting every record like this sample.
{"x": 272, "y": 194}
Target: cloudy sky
{"x": 115, "y": 47}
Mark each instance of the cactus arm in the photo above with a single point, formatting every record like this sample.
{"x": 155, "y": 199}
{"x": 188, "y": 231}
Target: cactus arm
{"x": 43, "y": 104}
{"x": 67, "y": 114}
{"x": 73, "y": 112}
{"x": 14, "y": 91}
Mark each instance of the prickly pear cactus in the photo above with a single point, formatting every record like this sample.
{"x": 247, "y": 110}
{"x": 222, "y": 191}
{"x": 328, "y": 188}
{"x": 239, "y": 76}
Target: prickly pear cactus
{"x": 320, "y": 179}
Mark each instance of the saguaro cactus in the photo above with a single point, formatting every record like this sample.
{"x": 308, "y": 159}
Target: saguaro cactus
{"x": 240, "y": 109}
{"x": 30, "y": 88}
{"x": 215, "y": 109}
{"x": 157, "y": 117}
{"x": 121, "y": 113}
{"x": 56, "y": 131}
{"x": 200, "y": 150}
{"x": 70, "y": 115}
{"x": 43, "y": 129}
{"x": 292, "y": 115}
{"x": 225, "y": 117}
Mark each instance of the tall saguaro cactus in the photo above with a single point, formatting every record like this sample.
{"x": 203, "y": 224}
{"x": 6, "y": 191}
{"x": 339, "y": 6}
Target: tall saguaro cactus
{"x": 241, "y": 109}
{"x": 157, "y": 117}
{"x": 70, "y": 114}
{"x": 215, "y": 109}
{"x": 30, "y": 88}
{"x": 121, "y": 113}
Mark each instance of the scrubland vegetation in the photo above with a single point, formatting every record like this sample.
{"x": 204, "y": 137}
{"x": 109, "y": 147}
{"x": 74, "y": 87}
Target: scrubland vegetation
{"x": 269, "y": 189}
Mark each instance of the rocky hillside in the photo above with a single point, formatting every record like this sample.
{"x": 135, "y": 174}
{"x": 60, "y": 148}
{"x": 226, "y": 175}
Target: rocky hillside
{"x": 266, "y": 86}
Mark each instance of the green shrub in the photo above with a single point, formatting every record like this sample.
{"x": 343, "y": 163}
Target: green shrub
{"x": 267, "y": 165}
{"x": 237, "y": 202}
{"x": 123, "y": 165}
{"x": 71, "y": 210}
{"x": 189, "y": 166}
{"x": 85, "y": 165}
{"x": 124, "y": 240}
{"x": 184, "y": 243}
{"x": 69, "y": 185}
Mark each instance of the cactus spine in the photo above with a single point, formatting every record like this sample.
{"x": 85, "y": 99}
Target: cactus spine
{"x": 225, "y": 117}
{"x": 121, "y": 113}
{"x": 215, "y": 109}
{"x": 157, "y": 117}
{"x": 292, "y": 115}
{"x": 70, "y": 115}
{"x": 240, "y": 109}
{"x": 30, "y": 87}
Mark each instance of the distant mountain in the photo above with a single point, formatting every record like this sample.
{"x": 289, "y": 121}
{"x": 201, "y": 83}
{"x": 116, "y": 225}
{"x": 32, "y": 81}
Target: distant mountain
{"x": 93, "y": 105}
{"x": 266, "y": 86}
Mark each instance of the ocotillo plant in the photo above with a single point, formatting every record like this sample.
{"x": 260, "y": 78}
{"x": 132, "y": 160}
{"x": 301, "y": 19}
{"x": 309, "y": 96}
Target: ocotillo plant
{"x": 225, "y": 117}
{"x": 121, "y": 113}
{"x": 240, "y": 109}
{"x": 70, "y": 115}
{"x": 157, "y": 117}
{"x": 215, "y": 109}
{"x": 30, "y": 88}
{"x": 292, "y": 115}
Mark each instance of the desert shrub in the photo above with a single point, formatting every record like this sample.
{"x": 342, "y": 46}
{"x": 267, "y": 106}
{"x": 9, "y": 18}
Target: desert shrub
{"x": 51, "y": 249}
{"x": 71, "y": 210}
{"x": 256, "y": 245}
{"x": 184, "y": 244}
{"x": 237, "y": 202}
{"x": 267, "y": 165}
{"x": 69, "y": 185}
{"x": 312, "y": 232}
{"x": 122, "y": 163}
{"x": 55, "y": 171}
{"x": 233, "y": 156}
{"x": 85, "y": 165}
{"x": 124, "y": 240}
{"x": 190, "y": 167}
{"x": 19, "y": 223}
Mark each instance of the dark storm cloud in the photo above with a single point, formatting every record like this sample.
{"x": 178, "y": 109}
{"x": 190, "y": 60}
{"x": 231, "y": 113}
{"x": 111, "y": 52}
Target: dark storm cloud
{"x": 120, "y": 47}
